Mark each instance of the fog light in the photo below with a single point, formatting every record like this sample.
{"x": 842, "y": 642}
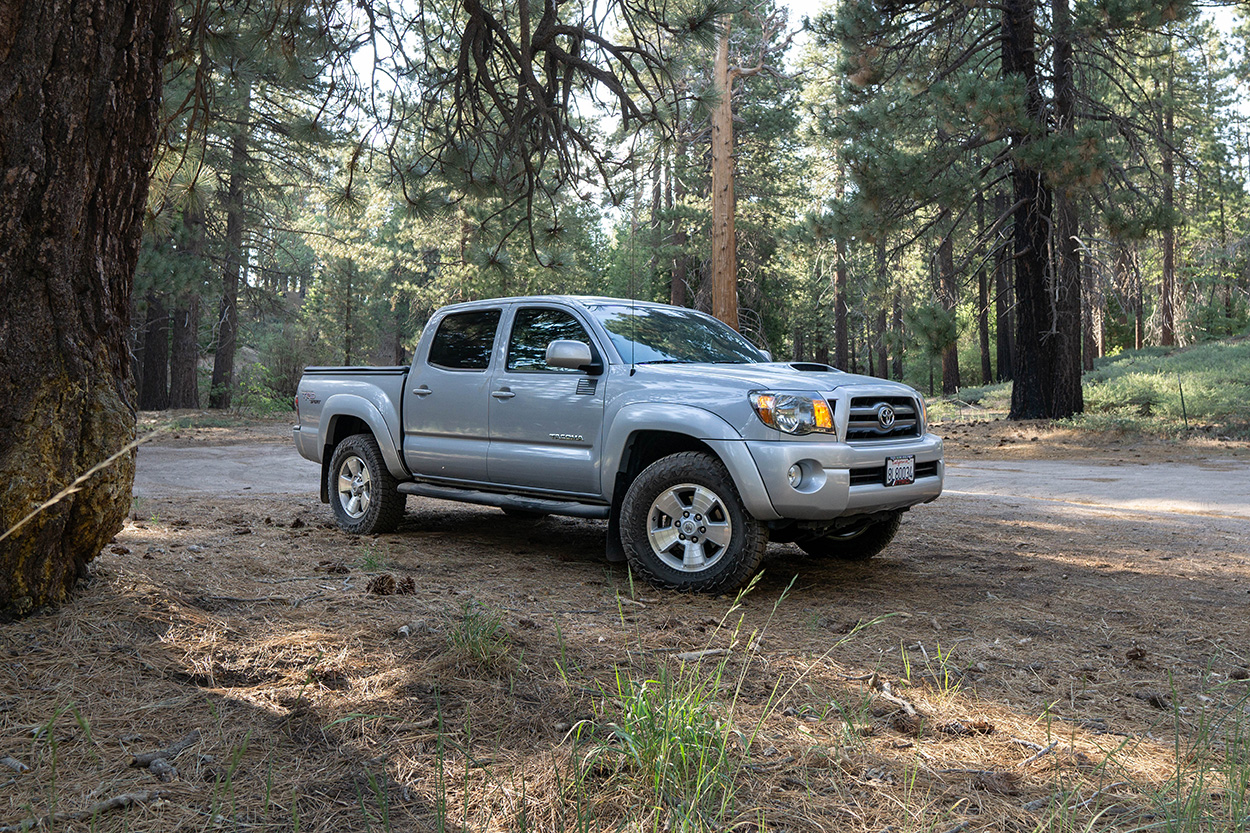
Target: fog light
{"x": 796, "y": 475}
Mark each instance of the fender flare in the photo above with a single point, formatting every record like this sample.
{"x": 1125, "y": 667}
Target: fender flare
{"x": 699, "y": 424}
{"x": 352, "y": 405}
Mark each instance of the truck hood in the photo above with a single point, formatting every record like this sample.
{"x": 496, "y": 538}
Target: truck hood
{"x": 793, "y": 376}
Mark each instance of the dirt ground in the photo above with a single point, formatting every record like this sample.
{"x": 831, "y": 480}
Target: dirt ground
{"x": 1003, "y": 666}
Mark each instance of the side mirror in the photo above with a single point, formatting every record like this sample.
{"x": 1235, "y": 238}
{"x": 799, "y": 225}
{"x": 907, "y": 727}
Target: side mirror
{"x": 573, "y": 355}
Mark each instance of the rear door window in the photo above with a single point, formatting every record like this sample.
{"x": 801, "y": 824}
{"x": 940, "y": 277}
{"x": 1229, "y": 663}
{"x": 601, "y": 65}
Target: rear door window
{"x": 464, "y": 340}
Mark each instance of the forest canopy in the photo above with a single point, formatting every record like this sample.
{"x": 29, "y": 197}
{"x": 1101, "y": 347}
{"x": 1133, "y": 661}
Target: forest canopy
{"x": 950, "y": 193}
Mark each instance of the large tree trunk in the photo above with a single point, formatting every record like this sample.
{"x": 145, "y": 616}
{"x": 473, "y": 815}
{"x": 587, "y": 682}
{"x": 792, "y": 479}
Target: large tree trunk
{"x": 1032, "y": 371}
{"x": 154, "y": 392}
{"x": 724, "y": 245}
{"x": 1063, "y": 388}
{"x": 222, "y": 386}
{"x": 79, "y": 96}
{"x": 184, "y": 357}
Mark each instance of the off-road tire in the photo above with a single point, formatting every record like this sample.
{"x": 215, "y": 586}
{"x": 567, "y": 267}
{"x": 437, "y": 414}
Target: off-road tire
{"x": 363, "y": 493}
{"x": 858, "y": 543}
{"x": 671, "y": 492}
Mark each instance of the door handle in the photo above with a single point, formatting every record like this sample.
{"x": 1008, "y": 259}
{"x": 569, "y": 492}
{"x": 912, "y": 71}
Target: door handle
{"x": 502, "y": 393}
{"x": 422, "y": 391}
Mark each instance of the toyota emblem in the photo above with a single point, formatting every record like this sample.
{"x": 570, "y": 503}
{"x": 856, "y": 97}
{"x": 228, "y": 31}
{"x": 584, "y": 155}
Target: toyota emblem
{"x": 885, "y": 417}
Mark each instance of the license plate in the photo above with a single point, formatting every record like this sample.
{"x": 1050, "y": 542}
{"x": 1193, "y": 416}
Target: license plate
{"x": 900, "y": 471}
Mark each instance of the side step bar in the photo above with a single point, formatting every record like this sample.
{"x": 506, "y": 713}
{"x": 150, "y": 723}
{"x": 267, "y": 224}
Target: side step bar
{"x": 526, "y": 504}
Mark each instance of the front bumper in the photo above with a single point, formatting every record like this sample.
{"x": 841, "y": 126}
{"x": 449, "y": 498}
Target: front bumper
{"x": 826, "y": 489}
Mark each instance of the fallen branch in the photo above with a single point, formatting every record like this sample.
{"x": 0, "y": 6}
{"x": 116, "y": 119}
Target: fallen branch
{"x": 886, "y": 692}
{"x": 117, "y": 802}
{"x": 691, "y": 656}
{"x": 145, "y": 760}
{"x": 1044, "y": 752}
{"x": 1087, "y": 802}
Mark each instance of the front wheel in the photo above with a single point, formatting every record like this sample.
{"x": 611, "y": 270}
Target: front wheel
{"x": 362, "y": 491}
{"x": 859, "y": 542}
{"x": 684, "y": 527}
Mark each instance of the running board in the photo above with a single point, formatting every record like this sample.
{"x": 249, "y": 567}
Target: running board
{"x": 503, "y": 501}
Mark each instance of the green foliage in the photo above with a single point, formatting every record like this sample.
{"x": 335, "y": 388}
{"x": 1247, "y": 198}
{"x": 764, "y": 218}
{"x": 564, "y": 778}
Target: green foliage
{"x": 1214, "y": 379}
{"x": 477, "y": 637}
{"x": 672, "y": 741}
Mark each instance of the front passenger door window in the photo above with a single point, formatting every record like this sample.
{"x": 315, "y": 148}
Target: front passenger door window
{"x": 532, "y": 331}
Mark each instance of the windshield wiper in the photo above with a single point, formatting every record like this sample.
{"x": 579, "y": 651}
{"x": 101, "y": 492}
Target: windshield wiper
{"x": 666, "y": 361}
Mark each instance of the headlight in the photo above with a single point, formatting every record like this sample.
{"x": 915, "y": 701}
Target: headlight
{"x": 794, "y": 413}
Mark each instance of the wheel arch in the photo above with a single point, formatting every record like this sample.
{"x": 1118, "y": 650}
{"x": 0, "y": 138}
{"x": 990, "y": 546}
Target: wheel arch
{"x": 642, "y": 434}
{"x": 352, "y": 415}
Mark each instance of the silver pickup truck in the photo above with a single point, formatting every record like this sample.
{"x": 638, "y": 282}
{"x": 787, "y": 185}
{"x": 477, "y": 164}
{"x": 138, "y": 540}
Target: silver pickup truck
{"x": 691, "y": 443}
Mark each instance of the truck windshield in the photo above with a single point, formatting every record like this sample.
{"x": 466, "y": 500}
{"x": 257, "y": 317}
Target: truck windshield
{"x": 671, "y": 334}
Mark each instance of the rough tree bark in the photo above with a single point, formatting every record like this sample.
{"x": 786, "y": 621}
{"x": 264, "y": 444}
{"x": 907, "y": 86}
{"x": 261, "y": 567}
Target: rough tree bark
{"x": 79, "y": 95}
{"x": 1033, "y": 370}
{"x": 184, "y": 357}
{"x": 154, "y": 390}
{"x": 724, "y": 246}
{"x": 1064, "y": 395}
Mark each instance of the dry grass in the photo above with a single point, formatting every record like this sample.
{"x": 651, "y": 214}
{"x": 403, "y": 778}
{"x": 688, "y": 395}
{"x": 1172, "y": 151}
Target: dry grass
{"x": 996, "y": 670}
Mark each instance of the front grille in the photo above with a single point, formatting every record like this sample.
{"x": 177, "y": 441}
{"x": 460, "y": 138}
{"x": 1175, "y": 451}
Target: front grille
{"x": 875, "y": 476}
{"x": 865, "y": 427}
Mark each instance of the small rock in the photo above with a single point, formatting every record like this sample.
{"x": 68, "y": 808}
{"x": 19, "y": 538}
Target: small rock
{"x": 1239, "y": 674}
{"x": 120, "y": 550}
{"x": 417, "y": 626}
{"x": 195, "y": 548}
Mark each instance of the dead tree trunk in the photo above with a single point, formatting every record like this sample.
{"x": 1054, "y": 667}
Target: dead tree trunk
{"x": 80, "y": 89}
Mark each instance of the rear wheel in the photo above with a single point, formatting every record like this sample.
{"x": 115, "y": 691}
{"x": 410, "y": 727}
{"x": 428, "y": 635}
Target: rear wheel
{"x": 362, "y": 491}
{"x": 855, "y": 543}
{"x": 684, "y": 526}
